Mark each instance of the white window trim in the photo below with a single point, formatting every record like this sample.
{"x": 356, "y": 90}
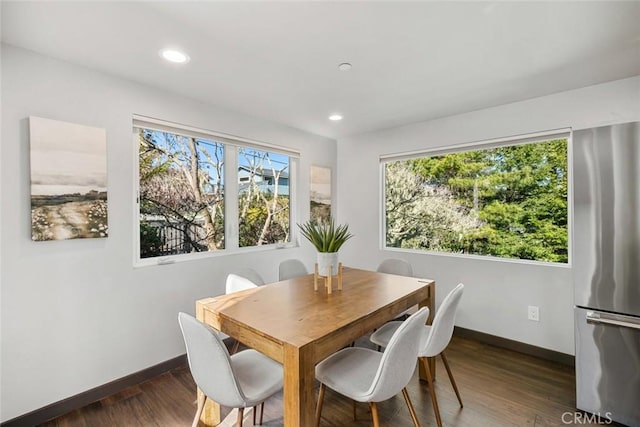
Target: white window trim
{"x": 232, "y": 145}
{"x": 476, "y": 145}
{"x": 227, "y": 139}
{"x": 231, "y": 203}
{"x": 566, "y": 133}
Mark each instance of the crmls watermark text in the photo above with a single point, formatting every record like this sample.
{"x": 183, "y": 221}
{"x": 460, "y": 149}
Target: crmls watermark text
{"x": 577, "y": 418}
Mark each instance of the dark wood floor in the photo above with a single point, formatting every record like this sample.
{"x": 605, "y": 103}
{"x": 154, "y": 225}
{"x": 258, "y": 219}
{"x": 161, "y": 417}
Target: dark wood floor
{"x": 498, "y": 387}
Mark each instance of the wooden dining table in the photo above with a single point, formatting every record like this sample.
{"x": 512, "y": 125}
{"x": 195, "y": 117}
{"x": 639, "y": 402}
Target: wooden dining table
{"x": 298, "y": 327}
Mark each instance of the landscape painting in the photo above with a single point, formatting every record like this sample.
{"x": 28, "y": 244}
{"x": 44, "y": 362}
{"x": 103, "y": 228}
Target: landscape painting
{"x": 68, "y": 180}
{"x": 320, "y": 193}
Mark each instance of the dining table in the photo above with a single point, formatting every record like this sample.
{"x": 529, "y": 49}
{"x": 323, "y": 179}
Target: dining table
{"x": 298, "y": 326}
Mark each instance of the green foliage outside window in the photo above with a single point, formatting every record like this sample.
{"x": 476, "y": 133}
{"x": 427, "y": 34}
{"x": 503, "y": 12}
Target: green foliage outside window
{"x": 508, "y": 201}
{"x": 150, "y": 241}
{"x": 252, "y": 225}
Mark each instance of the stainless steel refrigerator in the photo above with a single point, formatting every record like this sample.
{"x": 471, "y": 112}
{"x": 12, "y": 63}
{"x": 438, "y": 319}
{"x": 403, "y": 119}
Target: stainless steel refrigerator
{"x": 606, "y": 271}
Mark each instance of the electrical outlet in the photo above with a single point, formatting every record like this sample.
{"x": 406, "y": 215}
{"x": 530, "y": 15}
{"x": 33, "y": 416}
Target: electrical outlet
{"x": 533, "y": 313}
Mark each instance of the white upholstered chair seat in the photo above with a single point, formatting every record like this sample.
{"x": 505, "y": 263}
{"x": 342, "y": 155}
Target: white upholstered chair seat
{"x": 370, "y": 376}
{"x": 382, "y": 336}
{"x": 243, "y": 380}
{"x": 257, "y": 375}
{"x": 351, "y": 371}
{"x": 433, "y": 339}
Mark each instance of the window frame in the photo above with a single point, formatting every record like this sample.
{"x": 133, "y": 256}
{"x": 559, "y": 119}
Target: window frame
{"x": 232, "y": 145}
{"x": 563, "y": 133}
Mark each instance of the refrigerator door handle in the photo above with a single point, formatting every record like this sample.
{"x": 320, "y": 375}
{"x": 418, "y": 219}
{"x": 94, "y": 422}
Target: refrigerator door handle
{"x": 612, "y": 319}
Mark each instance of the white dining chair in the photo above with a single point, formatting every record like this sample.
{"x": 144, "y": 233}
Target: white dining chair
{"x": 251, "y": 274}
{"x": 233, "y": 284}
{"x": 291, "y": 268}
{"x": 240, "y": 381}
{"x": 434, "y": 340}
{"x": 237, "y": 283}
{"x": 398, "y": 267}
{"x": 369, "y": 376}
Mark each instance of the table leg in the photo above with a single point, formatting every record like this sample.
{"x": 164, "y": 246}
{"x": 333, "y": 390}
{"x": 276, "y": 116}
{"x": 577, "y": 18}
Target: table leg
{"x": 211, "y": 413}
{"x": 299, "y": 383}
{"x": 431, "y": 303}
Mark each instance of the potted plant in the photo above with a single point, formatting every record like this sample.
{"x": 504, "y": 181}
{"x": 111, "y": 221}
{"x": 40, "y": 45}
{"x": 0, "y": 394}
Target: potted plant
{"x": 328, "y": 238}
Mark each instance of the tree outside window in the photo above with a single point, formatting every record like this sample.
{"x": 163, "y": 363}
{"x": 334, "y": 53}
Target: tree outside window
{"x": 263, "y": 197}
{"x": 508, "y": 201}
{"x": 182, "y": 195}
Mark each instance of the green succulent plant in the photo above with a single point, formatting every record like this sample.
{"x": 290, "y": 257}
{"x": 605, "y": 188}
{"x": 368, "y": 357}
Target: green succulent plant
{"x": 326, "y": 236}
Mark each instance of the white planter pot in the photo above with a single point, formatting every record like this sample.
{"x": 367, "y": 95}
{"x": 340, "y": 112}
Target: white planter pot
{"x": 327, "y": 260}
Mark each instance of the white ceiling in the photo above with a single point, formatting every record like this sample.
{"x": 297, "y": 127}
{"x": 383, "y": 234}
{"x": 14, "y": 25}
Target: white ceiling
{"x": 412, "y": 61}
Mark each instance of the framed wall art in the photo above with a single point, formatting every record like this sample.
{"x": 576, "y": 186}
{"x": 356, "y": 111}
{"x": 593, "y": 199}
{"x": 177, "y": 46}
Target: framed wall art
{"x": 320, "y": 193}
{"x": 68, "y": 180}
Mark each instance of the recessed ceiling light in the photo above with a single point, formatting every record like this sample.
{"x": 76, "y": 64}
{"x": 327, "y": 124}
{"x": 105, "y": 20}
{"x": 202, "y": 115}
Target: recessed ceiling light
{"x": 345, "y": 66}
{"x": 335, "y": 117}
{"x": 173, "y": 55}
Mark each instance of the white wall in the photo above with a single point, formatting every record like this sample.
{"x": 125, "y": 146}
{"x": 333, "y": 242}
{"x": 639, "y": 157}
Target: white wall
{"x": 77, "y": 314}
{"x": 497, "y": 292}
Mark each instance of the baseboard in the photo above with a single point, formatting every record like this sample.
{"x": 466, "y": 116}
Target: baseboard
{"x": 531, "y": 350}
{"x": 80, "y": 400}
{"x": 64, "y": 406}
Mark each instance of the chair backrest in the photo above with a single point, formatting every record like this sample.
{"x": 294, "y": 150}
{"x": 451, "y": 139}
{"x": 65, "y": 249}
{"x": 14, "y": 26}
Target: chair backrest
{"x": 251, "y": 274}
{"x": 291, "y": 268}
{"x": 442, "y": 327}
{"x": 210, "y": 363}
{"x": 395, "y": 266}
{"x": 237, "y": 283}
{"x": 399, "y": 359}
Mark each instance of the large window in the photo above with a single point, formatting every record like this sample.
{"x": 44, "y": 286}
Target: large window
{"x": 202, "y": 193}
{"x": 505, "y": 201}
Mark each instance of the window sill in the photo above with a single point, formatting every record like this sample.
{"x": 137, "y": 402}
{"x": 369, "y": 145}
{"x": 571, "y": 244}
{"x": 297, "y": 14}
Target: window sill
{"x": 486, "y": 258}
{"x": 174, "y": 259}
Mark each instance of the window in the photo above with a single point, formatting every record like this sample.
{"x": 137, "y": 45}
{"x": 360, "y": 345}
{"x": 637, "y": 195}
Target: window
{"x": 181, "y": 194}
{"x": 200, "y": 192}
{"x": 501, "y": 200}
{"x": 263, "y": 197}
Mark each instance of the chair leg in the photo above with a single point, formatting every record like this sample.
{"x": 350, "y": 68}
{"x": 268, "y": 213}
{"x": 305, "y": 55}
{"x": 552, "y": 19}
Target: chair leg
{"x": 261, "y": 412}
{"x": 255, "y": 408}
{"x": 240, "y": 417}
{"x": 236, "y": 346}
{"x": 412, "y": 411}
{"x": 319, "y": 406}
{"x": 432, "y": 389}
{"x": 374, "y": 414}
{"x": 196, "y": 419}
{"x": 453, "y": 382}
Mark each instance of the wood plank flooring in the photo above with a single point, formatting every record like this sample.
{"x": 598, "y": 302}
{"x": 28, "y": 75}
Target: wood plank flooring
{"x": 498, "y": 387}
